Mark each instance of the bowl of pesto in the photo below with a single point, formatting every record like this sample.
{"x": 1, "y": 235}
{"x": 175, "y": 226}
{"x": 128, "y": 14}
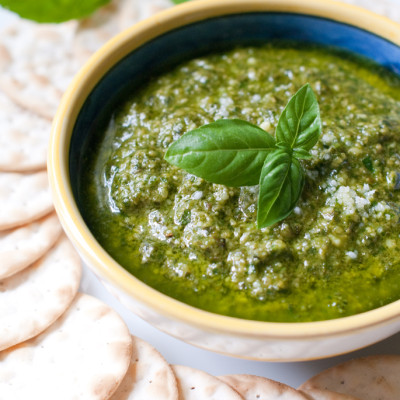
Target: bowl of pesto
{"x": 231, "y": 172}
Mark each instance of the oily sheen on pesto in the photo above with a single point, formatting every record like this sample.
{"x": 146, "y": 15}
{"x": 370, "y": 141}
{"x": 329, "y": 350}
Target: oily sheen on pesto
{"x": 335, "y": 255}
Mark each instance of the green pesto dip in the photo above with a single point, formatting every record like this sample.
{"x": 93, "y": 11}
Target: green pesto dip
{"x": 337, "y": 254}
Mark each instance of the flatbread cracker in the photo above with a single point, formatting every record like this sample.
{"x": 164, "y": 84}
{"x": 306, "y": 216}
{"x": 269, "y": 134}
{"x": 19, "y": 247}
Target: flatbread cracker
{"x": 83, "y": 355}
{"x": 39, "y": 60}
{"x": 137, "y": 10}
{"x": 154, "y": 7}
{"x": 194, "y": 384}
{"x": 97, "y": 29}
{"x": 256, "y": 387}
{"x": 20, "y": 247}
{"x": 149, "y": 376}
{"x": 318, "y": 394}
{"x": 110, "y": 20}
{"x": 367, "y": 378}
{"x": 5, "y": 57}
{"x": 42, "y": 64}
{"x": 24, "y": 138}
{"x": 33, "y": 299}
{"x": 24, "y": 197}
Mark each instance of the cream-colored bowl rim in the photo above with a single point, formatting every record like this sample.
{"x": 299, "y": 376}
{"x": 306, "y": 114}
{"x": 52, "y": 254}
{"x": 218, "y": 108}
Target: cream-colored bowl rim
{"x": 82, "y": 238}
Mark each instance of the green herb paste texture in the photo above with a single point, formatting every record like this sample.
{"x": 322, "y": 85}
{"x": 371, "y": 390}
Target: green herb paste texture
{"x": 337, "y": 254}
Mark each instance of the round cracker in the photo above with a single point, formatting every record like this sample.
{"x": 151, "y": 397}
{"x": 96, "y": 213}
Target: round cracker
{"x": 150, "y": 8}
{"x": 41, "y": 66}
{"x": 108, "y": 21}
{"x": 97, "y": 29}
{"x": 24, "y": 138}
{"x": 34, "y": 298}
{"x": 83, "y": 355}
{"x": 194, "y": 384}
{"x": 149, "y": 376}
{"x": 318, "y": 394}
{"x": 256, "y": 387}
{"x": 131, "y": 11}
{"x": 5, "y": 57}
{"x": 367, "y": 378}
{"x": 20, "y": 247}
{"x": 24, "y": 197}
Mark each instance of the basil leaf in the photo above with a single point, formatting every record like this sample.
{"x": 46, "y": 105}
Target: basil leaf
{"x": 52, "y": 10}
{"x": 179, "y": 1}
{"x": 281, "y": 183}
{"x": 300, "y": 124}
{"x": 228, "y": 152}
{"x": 301, "y": 154}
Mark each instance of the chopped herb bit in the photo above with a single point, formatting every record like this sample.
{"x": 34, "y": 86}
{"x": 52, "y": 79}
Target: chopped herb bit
{"x": 368, "y": 164}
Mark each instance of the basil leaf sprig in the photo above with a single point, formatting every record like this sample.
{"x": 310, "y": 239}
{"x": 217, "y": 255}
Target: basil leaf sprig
{"x": 281, "y": 183}
{"x": 235, "y": 153}
{"x": 229, "y": 151}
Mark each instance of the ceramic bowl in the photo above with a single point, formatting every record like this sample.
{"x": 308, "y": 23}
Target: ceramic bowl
{"x": 154, "y": 45}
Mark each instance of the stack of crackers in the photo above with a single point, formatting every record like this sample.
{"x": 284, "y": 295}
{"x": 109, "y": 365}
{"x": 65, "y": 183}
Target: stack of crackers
{"x": 57, "y": 343}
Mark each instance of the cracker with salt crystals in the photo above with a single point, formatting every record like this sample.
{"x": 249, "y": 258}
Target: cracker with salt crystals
{"x": 110, "y": 20}
{"x": 318, "y": 394}
{"x": 24, "y": 138}
{"x": 5, "y": 57}
{"x": 41, "y": 64}
{"x": 34, "y": 298}
{"x": 83, "y": 355}
{"x": 194, "y": 384}
{"x": 257, "y": 387}
{"x": 97, "y": 29}
{"x": 149, "y": 376}
{"x": 20, "y": 247}
{"x": 137, "y": 10}
{"x": 24, "y": 197}
{"x": 367, "y": 378}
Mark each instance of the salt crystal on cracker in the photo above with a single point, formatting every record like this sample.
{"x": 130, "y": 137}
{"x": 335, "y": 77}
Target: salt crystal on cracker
{"x": 83, "y": 355}
{"x": 34, "y": 298}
